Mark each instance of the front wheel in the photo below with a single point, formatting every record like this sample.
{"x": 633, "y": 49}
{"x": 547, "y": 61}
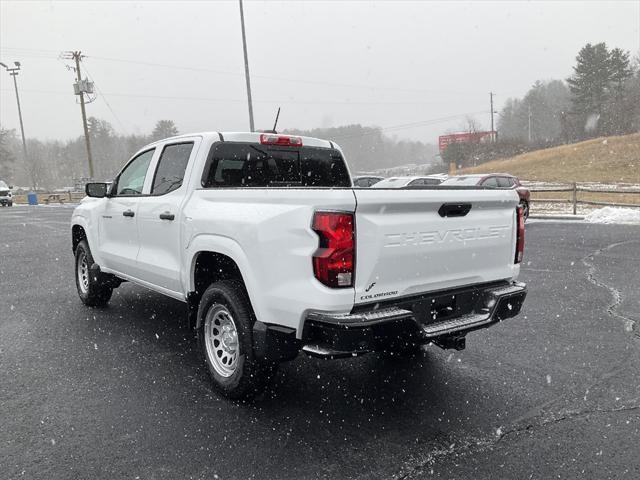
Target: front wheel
{"x": 225, "y": 336}
{"x": 92, "y": 290}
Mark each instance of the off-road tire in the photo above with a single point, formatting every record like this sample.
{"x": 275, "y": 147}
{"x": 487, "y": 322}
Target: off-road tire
{"x": 228, "y": 299}
{"x": 92, "y": 288}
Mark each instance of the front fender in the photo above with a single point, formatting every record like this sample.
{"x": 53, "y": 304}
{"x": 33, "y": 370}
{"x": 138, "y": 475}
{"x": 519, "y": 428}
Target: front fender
{"x": 86, "y": 215}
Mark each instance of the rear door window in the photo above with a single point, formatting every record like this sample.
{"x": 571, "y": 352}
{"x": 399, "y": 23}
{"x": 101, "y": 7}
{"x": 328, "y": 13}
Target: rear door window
{"x": 171, "y": 168}
{"x": 253, "y": 165}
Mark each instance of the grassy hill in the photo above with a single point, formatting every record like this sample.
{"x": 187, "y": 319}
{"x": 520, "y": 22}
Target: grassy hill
{"x": 606, "y": 160}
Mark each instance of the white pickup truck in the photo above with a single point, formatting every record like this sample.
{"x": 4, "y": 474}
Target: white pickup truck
{"x": 274, "y": 252}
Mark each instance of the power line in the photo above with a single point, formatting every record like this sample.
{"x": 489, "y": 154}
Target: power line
{"x": 404, "y": 126}
{"x": 274, "y": 78}
{"x": 285, "y": 79}
{"x": 231, "y": 100}
{"x": 105, "y": 99}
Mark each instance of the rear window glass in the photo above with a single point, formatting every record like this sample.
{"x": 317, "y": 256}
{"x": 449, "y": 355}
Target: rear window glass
{"x": 461, "y": 181}
{"x": 253, "y": 165}
{"x": 491, "y": 182}
{"x": 426, "y": 181}
{"x": 389, "y": 181}
{"x": 504, "y": 182}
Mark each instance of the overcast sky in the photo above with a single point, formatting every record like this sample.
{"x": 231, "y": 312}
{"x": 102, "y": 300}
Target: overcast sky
{"x": 325, "y": 63}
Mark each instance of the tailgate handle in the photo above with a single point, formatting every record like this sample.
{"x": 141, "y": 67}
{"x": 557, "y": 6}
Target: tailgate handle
{"x": 454, "y": 209}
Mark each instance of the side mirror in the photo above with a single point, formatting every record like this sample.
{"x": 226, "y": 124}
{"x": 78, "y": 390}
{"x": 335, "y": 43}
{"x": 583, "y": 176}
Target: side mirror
{"x": 10, "y": 187}
{"x": 96, "y": 190}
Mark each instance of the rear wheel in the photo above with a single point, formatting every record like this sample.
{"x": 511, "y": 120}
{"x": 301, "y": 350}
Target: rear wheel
{"x": 225, "y": 320}
{"x": 92, "y": 290}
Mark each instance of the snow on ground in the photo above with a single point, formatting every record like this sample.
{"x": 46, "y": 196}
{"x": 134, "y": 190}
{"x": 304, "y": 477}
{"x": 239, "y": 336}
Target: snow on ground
{"x": 552, "y": 208}
{"x": 614, "y": 215}
{"x": 621, "y": 187}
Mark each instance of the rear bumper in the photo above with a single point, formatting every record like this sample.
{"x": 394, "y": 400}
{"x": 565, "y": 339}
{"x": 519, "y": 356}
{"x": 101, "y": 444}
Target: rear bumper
{"x": 438, "y": 317}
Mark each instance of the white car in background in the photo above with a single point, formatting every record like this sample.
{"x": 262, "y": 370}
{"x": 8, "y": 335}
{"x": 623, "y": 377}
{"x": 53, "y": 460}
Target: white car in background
{"x": 6, "y": 197}
{"x": 415, "y": 181}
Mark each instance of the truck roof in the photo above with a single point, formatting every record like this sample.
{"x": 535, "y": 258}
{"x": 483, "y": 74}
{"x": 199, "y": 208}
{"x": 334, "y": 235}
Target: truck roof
{"x": 253, "y": 137}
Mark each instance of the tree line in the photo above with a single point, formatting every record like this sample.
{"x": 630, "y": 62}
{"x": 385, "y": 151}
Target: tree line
{"x": 600, "y": 98}
{"x": 55, "y": 164}
{"x": 367, "y": 148}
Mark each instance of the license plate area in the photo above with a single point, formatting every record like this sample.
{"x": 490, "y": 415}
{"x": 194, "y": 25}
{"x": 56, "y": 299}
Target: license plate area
{"x": 444, "y": 307}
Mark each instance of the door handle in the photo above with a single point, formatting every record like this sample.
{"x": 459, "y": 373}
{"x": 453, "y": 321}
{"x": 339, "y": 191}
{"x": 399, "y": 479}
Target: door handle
{"x": 167, "y": 216}
{"x": 454, "y": 209}
{"x": 128, "y": 213}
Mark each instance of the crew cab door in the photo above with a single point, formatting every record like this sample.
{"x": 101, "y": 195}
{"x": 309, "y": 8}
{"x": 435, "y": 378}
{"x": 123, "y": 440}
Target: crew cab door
{"x": 119, "y": 241}
{"x": 160, "y": 216}
{"x": 415, "y": 241}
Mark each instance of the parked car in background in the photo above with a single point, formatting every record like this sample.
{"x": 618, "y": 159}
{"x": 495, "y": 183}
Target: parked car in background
{"x": 416, "y": 181}
{"x": 366, "y": 180}
{"x": 494, "y": 180}
{"x": 6, "y": 197}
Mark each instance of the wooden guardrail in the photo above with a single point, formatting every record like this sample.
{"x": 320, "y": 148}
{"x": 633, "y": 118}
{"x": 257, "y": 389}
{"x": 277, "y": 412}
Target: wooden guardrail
{"x": 595, "y": 195}
{"x": 52, "y": 198}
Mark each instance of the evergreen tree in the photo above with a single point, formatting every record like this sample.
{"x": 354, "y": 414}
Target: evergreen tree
{"x": 164, "y": 129}
{"x": 621, "y": 70}
{"x": 542, "y": 105}
{"x": 589, "y": 84}
{"x": 620, "y": 111}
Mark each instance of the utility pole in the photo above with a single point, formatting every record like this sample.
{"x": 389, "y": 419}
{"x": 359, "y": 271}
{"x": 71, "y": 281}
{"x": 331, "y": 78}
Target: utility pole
{"x": 494, "y": 135}
{"x": 529, "y": 123}
{"x": 14, "y": 73}
{"x": 80, "y": 88}
{"x": 246, "y": 68}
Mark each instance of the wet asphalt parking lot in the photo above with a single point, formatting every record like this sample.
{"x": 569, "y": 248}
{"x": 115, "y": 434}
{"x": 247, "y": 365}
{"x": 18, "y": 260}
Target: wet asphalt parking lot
{"x": 121, "y": 393}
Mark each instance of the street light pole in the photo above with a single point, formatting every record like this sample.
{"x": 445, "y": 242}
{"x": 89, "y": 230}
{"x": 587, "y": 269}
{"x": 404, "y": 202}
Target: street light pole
{"x": 246, "y": 68}
{"x": 14, "y": 73}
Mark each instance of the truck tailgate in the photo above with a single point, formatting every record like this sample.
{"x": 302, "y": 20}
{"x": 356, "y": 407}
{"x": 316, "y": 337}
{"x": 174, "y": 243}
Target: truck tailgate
{"x": 405, "y": 246}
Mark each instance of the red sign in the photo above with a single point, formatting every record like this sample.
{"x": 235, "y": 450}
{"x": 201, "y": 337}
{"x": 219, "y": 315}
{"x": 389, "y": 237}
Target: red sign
{"x": 468, "y": 137}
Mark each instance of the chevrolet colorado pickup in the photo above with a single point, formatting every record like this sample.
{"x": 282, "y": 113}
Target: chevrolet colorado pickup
{"x": 274, "y": 252}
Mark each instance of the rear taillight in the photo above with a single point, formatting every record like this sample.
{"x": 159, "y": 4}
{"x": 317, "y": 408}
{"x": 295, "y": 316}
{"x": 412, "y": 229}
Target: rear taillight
{"x": 333, "y": 262}
{"x": 281, "y": 140}
{"x": 519, "y": 235}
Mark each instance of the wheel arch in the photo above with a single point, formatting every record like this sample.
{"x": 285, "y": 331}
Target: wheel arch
{"x": 78, "y": 233}
{"x": 215, "y": 260}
